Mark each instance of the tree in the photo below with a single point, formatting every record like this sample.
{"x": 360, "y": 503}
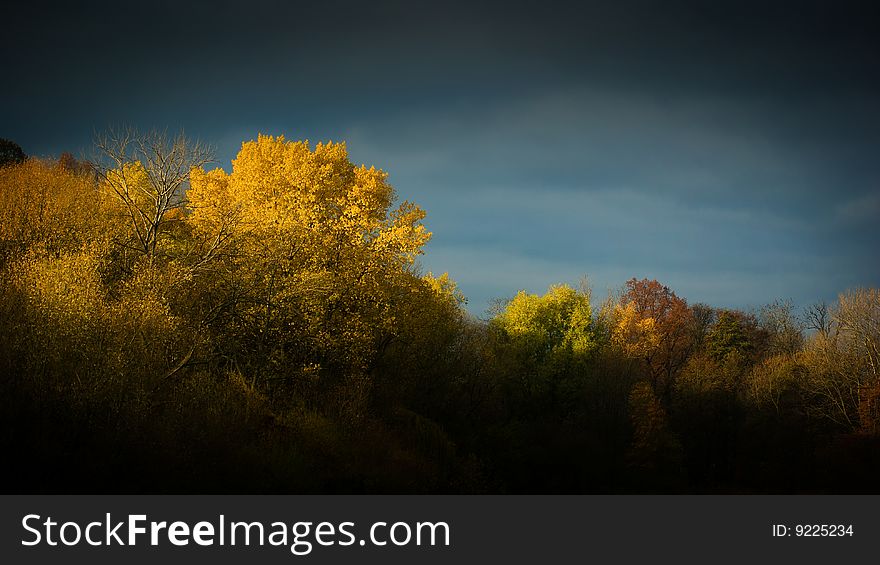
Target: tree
{"x": 664, "y": 321}
{"x": 773, "y": 381}
{"x": 45, "y": 208}
{"x": 148, "y": 173}
{"x": 858, "y": 315}
{"x": 843, "y": 361}
{"x": 654, "y": 447}
{"x": 322, "y": 259}
{"x": 703, "y": 318}
{"x": 728, "y": 336}
{"x": 71, "y": 164}
{"x": 10, "y": 153}
{"x": 818, "y": 318}
{"x": 554, "y": 326}
{"x": 784, "y": 330}
{"x": 635, "y": 335}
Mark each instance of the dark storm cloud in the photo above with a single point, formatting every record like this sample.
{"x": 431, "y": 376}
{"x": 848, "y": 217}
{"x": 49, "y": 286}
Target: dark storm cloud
{"x": 728, "y": 149}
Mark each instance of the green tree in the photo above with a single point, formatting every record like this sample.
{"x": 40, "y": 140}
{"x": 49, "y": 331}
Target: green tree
{"x": 553, "y": 328}
{"x": 728, "y": 336}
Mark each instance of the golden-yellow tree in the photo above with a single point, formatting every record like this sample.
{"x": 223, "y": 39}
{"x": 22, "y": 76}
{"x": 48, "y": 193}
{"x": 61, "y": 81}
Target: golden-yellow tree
{"x": 315, "y": 250}
{"x": 45, "y": 208}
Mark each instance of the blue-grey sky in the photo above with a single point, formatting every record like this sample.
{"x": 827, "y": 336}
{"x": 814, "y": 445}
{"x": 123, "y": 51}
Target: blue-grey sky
{"x": 727, "y": 149}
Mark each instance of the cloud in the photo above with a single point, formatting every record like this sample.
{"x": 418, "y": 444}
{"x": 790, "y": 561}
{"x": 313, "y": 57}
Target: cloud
{"x": 581, "y": 136}
{"x": 485, "y": 273}
{"x": 726, "y": 198}
{"x": 725, "y": 155}
{"x": 859, "y": 210}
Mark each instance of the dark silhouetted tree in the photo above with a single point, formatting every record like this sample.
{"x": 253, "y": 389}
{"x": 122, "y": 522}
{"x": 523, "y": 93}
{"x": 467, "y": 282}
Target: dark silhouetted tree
{"x": 10, "y": 153}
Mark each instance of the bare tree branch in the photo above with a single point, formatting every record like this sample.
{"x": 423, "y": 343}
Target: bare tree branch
{"x": 165, "y": 163}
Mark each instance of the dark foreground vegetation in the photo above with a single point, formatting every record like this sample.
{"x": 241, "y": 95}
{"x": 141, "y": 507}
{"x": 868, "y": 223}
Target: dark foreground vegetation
{"x": 164, "y": 328}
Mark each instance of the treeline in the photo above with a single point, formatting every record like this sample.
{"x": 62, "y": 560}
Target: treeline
{"x": 167, "y": 328}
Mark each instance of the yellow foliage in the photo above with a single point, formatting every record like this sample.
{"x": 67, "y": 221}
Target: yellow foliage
{"x": 67, "y": 289}
{"x": 132, "y": 178}
{"x": 319, "y": 241}
{"x": 315, "y": 198}
{"x": 561, "y": 320}
{"x": 768, "y": 382}
{"x": 445, "y": 287}
{"x": 44, "y": 205}
{"x": 636, "y": 336}
{"x": 209, "y": 197}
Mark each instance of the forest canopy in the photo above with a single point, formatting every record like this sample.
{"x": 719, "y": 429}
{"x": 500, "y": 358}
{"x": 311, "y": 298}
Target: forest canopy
{"x": 168, "y": 327}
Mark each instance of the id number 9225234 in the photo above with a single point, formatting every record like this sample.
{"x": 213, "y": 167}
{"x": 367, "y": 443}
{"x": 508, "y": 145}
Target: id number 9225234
{"x": 812, "y": 530}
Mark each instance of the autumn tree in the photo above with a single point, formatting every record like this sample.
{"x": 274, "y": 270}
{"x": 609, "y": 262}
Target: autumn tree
{"x": 322, "y": 258}
{"x": 148, "y": 173}
{"x": 857, "y": 318}
{"x": 655, "y": 325}
{"x": 428, "y": 337}
{"x": 45, "y": 208}
{"x": 784, "y": 330}
{"x": 552, "y": 328}
{"x": 544, "y": 345}
{"x": 775, "y": 382}
{"x": 841, "y": 358}
{"x": 858, "y": 315}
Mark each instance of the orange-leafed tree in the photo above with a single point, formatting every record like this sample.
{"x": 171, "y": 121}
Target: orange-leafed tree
{"x": 665, "y": 322}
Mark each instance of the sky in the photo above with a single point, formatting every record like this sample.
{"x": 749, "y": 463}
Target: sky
{"x": 727, "y": 149}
